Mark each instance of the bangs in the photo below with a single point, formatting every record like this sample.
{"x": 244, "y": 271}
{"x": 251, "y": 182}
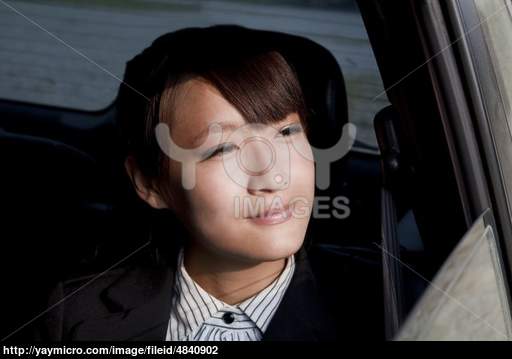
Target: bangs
{"x": 262, "y": 87}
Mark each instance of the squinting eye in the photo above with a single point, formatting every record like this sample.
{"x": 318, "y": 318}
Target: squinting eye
{"x": 290, "y": 130}
{"x": 222, "y": 149}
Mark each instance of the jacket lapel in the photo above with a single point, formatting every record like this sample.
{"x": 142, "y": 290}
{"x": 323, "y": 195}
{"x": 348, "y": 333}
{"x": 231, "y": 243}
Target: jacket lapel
{"x": 144, "y": 297}
{"x": 302, "y": 314}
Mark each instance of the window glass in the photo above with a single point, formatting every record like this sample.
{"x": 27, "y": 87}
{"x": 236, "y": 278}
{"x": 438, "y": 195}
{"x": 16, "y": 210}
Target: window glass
{"x": 72, "y": 53}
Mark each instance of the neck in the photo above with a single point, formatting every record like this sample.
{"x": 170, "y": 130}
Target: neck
{"x": 228, "y": 279}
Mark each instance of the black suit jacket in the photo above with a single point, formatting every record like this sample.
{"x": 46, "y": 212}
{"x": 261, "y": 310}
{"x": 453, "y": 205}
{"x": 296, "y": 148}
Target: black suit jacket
{"x": 330, "y": 297}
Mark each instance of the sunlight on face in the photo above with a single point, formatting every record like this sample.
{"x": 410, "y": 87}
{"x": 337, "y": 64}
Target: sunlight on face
{"x": 253, "y": 170}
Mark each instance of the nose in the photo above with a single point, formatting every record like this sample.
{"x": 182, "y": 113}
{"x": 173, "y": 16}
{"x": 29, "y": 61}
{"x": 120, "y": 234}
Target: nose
{"x": 256, "y": 156}
{"x": 260, "y": 160}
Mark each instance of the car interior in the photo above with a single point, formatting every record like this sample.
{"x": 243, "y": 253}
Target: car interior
{"x": 68, "y": 204}
{"x": 68, "y": 207}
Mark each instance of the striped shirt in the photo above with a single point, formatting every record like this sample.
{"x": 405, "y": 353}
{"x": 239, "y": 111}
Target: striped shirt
{"x": 197, "y": 316}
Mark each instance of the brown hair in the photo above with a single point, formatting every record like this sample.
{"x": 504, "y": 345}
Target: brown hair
{"x": 260, "y": 84}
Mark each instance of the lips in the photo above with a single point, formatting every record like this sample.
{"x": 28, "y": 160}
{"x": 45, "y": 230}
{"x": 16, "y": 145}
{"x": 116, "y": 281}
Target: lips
{"x": 273, "y": 215}
{"x": 275, "y": 211}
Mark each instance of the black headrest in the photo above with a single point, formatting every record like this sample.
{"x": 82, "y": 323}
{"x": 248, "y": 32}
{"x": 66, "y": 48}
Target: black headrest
{"x": 318, "y": 71}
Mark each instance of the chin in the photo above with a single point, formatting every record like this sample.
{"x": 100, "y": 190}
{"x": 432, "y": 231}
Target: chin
{"x": 258, "y": 244}
{"x": 277, "y": 247}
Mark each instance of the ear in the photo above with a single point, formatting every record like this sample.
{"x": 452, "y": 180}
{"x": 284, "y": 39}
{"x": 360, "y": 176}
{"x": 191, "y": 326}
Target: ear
{"x": 144, "y": 188}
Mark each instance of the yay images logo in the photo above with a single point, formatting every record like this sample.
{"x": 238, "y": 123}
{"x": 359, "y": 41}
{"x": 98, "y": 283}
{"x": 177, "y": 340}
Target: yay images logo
{"x": 261, "y": 151}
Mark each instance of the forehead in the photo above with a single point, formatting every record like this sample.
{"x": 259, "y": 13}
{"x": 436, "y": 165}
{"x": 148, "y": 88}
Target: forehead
{"x": 196, "y": 105}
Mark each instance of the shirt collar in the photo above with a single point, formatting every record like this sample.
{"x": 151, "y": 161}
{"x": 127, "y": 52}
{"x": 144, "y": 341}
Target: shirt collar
{"x": 196, "y": 305}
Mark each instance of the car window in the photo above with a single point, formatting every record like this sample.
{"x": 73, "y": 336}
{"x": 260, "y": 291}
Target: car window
{"x": 72, "y": 54}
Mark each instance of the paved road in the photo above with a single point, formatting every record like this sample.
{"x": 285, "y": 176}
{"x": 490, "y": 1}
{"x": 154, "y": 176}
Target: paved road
{"x": 38, "y": 67}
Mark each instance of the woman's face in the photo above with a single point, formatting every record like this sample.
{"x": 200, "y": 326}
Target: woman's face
{"x": 257, "y": 168}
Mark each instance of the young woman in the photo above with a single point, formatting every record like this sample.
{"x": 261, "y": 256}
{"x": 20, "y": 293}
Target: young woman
{"x": 215, "y": 128}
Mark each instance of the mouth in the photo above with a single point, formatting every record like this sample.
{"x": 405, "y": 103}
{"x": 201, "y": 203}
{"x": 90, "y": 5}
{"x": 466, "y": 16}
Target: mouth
{"x": 273, "y": 216}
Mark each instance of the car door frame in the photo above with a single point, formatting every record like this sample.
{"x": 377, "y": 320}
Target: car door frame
{"x": 422, "y": 50}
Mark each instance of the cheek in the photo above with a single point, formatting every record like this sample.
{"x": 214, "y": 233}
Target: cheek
{"x": 213, "y": 195}
{"x": 302, "y": 176}
{"x": 209, "y": 200}
{"x": 211, "y": 214}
